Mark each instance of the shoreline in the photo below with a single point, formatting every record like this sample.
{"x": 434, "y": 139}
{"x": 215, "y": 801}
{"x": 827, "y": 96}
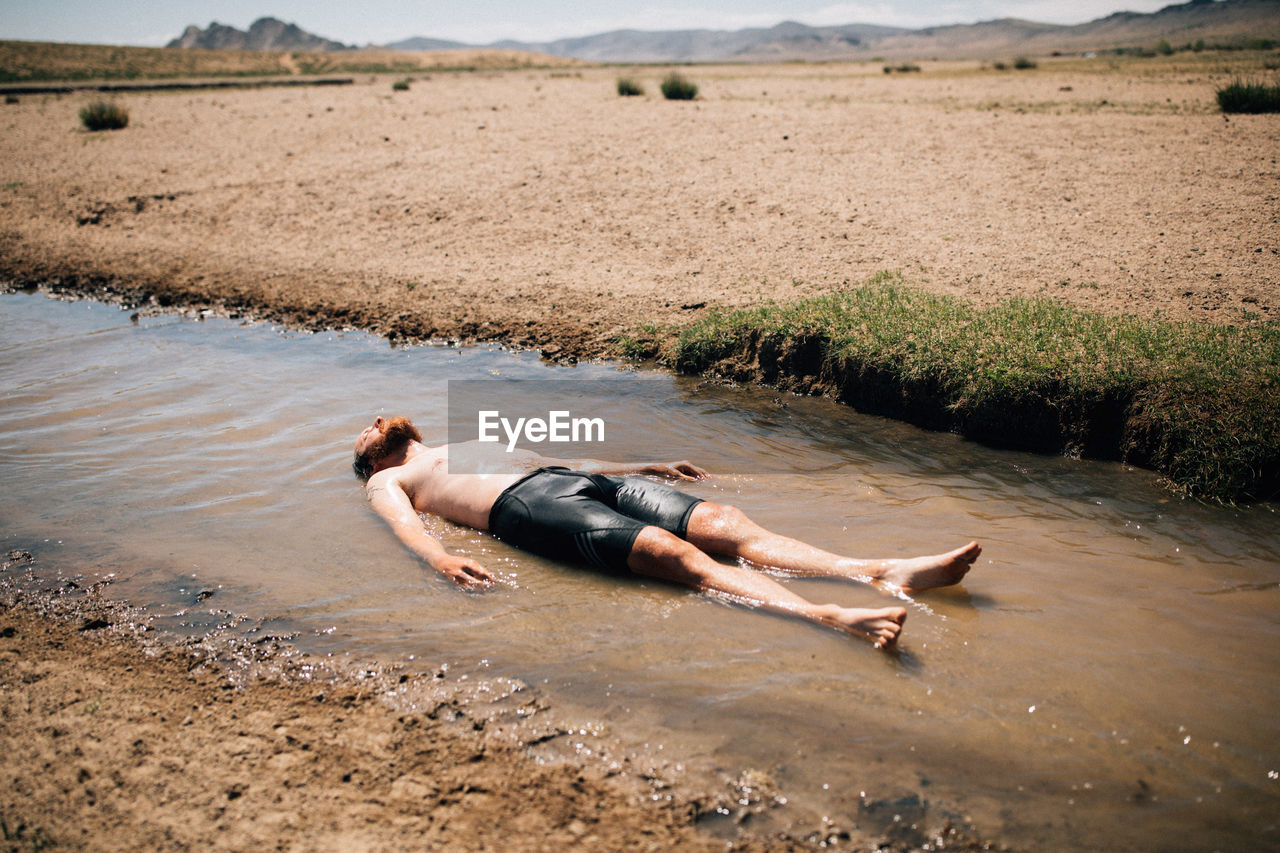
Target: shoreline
{"x": 1206, "y": 428}
{"x": 119, "y": 738}
{"x": 120, "y": 735}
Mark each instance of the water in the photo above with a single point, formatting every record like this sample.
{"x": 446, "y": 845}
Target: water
{"x": 1105, "y": 678}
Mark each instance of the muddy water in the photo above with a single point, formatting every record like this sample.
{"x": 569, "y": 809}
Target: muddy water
{"x": 1106, "y": 678}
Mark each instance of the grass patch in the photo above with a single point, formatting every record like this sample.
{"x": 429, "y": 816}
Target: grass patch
{"x": 629, "y": 88}
{"x": 1197, "y": 403}
{"x": 644, "y": 344}
{"x": 104, "y": 115}
{"x": 676, "y": 87}
{"x": 1241, "y": 96}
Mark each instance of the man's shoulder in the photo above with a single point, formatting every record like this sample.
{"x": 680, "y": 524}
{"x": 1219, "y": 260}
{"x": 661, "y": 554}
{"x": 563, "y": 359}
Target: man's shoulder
{"x": 388, "y": 475}
{"x": 409, "y": 471}
{"x": 379, "y": 480}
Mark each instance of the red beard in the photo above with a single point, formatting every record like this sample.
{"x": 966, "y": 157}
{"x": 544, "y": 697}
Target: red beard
{"x": 396, "y": 433}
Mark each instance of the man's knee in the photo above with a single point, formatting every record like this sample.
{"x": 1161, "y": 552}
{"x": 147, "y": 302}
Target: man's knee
{"x": 718, "y": 519}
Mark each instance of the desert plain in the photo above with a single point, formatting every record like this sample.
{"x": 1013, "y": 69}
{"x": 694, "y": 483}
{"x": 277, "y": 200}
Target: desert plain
{"x": 538, "y": 208}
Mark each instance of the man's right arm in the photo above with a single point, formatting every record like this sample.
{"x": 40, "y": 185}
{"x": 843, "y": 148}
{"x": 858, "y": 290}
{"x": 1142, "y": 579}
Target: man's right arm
{"x": 391, "y": 502}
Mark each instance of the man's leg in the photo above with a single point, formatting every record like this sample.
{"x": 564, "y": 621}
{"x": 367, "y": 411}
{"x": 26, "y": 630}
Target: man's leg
{"x": 660, "y": 554}
{"x": 726, "y": 530}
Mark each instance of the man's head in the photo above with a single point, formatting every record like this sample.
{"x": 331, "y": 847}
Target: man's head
{"x": 385, "y": 438}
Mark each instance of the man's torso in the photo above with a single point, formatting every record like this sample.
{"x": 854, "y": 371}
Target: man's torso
{"x": 460, "y": 482}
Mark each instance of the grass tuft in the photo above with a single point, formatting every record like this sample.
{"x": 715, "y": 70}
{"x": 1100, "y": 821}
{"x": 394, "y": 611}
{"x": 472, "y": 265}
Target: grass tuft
{"x": 400, "y": 85}
{"x": 644, "y": 344}
{"x": 1241, "y": 96}
{"x": 629, "y": 88}
{"x": 675, "y": 87}
{"x": 1198, "y": 403}
{"x": 104, "y": 115}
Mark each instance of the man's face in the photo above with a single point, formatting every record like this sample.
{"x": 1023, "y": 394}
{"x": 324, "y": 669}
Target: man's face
{"x": 386, "y": 436}
{"x": 369, "y": 435}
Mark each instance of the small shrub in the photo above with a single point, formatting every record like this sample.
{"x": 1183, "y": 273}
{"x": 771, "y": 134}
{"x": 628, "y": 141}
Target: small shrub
{"x": 904, "y": 68}
{"x": 104, "y": 115}
{"x": 11, "y": 99}
{"x": 999, "y": 66}
{"x": 400, "y": 86}
{"x": 629, "y": 88}
{"x": 676, "y": 88}
{"x": 1023, "y": 62}
{"x": 1164, "y": 48}
{"x": 1241, "y": 96}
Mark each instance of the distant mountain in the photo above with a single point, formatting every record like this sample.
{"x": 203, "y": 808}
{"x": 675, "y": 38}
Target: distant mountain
{"x": 421, "y": 43}
{"x": 788, "y": 40}
{"x": 263, "y": 34}
{"x": 1217, "y": 22}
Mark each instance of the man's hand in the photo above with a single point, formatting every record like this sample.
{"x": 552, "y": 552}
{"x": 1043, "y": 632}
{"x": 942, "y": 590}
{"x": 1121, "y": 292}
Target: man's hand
{"x": 463, "y": 571}
{"x": 682, "y": 470}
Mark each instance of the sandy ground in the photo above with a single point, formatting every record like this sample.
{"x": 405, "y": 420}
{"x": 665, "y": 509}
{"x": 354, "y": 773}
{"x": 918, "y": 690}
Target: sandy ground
{"x": 116, "y": 740}
{"x": 540, "y": 208}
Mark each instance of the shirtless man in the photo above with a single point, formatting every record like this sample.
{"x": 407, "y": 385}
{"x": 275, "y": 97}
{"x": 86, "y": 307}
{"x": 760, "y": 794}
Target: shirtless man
{"x": 598, "y": 515}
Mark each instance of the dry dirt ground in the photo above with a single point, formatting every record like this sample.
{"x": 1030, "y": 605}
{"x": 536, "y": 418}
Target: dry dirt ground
{"x": 110, "y": 745}
{"x": 539, "y": 208}
{"x": 118, "y": 737}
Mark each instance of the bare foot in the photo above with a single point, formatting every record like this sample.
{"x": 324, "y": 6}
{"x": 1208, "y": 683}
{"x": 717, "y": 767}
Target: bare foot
{"x": 881, "y": 627}
{"x": 920, "y": 573}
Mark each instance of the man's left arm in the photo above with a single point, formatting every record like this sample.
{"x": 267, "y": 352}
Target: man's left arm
{"x": 680, "y": 470}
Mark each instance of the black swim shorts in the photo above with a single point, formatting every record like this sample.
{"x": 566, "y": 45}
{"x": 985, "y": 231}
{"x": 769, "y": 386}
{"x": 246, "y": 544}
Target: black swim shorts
{"x": 575, "y": 516}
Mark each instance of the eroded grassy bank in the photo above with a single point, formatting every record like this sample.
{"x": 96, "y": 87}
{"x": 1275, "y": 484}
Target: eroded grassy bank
{"x": 1196, "y": 403}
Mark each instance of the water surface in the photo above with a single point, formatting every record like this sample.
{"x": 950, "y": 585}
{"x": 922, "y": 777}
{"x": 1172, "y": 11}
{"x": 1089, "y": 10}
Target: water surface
{"x": 1105, "y": 678}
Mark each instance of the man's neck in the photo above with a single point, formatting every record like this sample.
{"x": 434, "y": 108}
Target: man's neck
{"x": 405, "y": 454}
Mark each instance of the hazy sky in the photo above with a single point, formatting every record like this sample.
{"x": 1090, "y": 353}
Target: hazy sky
{"x": 361, "y": 22}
